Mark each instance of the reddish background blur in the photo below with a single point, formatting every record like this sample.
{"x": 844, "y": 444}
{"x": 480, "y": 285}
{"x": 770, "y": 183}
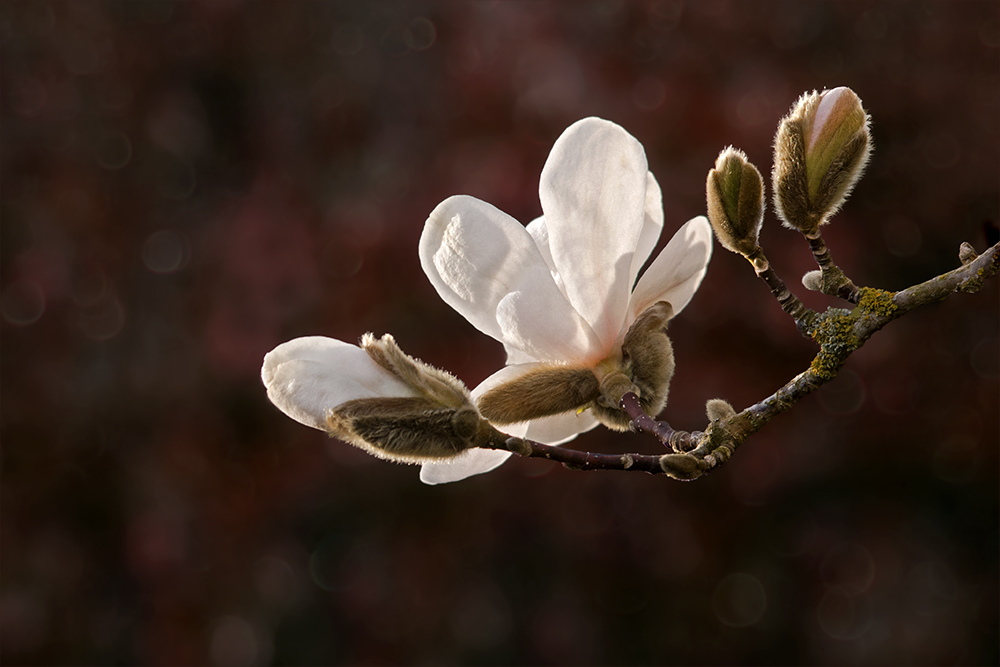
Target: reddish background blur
{"x": 186, "y": 185}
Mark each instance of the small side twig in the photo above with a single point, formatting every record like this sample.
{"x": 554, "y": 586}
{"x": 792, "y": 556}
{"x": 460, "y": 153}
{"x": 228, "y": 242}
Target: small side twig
{"x": 677, "y": 441}
{"x": 834, "y": 281}
{"x": 804, "y": 317}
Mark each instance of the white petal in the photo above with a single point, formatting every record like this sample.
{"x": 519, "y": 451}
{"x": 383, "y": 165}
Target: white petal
{"x": 468, "y": 463}
{"x": 545, "y": 327}
{"x": 557, "y": 429}
{"x": 652, "y": 226}
{"x": 307, "y": 377}
{"x": 593, "y": 193}
{"x": 677, "y": 272}
{"x": 516, "y": 356}
{"x": 540, "y": 233}
{"x": 477, "y": 258}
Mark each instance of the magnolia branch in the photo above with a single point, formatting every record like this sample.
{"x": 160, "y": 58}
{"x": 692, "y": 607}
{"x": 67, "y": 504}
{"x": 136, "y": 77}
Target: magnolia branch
{"x": 838, "y": 333}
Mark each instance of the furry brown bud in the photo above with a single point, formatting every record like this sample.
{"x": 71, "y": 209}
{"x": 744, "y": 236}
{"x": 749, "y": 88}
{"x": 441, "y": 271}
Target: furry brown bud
{"x": 735, "y": 197}
{"x": 546, "y": 391}
{"x": 407, "y": 430}
{"x": 647, "y": 361}
{"x": 438, "y": 423}
{"x": 717, "y": 408}
{"x": 820, "y": 151}
{"x": 813, "y": 281}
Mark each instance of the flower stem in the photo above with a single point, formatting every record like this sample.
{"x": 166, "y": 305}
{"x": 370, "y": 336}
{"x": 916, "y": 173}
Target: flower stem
{"x": 677, "y": 441}
{"x": 804, "y": 317}
{"x": 834, "y": 281}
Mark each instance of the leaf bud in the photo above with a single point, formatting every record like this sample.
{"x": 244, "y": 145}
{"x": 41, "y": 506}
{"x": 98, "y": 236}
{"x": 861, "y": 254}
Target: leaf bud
{"x": 735, "y": 197}
{"x": 717, "y": 408}
{"x": 813, "y": 281}
{"x": 820, "y": 150}
{"x": 681, "y": 466}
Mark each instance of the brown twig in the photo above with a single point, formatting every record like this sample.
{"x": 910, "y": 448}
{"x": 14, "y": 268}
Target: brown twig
{"x": 834, "y": 281}
{"x": 804, "y": 317}
{"x": 838, "y": 333}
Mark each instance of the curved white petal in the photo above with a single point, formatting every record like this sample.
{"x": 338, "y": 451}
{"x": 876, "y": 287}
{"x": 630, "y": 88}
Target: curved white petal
{"x": 557, "y": 429}
{"x": 677, "y": 272}
{"x": 516, "y": 356}
{"x": 306, "y": 377}
{"x": 545, "y": 327}
{"x": 478, "y": 257}
{"x": 468, "y": 463}
{"x": 593, "y": 194}
{"x": 540, "y": 233}
{"x": 652, "y": 226}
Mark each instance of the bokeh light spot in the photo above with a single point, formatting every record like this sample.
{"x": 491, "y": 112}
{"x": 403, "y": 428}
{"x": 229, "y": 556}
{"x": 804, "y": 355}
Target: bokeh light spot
{"x": 420, "y": 34}
{"x": 739, "y": 600}
{"x": 176, "y": 180}
{"x": 989, "y": 33}
{"x": 648, "y": 93}
{"x": 163, "y": 251}
{"x": 348, "y": 40}
{"x": 276, "y": 582}
{"x": 233, "y": 643}
{"x": 326, "y": 561}
{"x": 844, "y": 616}
{"x": 114, "y": 151}
{"x": 103, "y": 320}
{"x": 666, "y": 14}
{"x": 22, "y": 303}
{"x": 848, "y": 566}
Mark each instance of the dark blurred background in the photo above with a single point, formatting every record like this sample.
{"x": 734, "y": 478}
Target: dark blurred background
{"x": 186, "y": 185}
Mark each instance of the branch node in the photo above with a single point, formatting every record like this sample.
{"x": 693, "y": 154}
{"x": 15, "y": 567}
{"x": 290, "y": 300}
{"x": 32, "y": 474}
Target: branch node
{"x": 967, "y": 254}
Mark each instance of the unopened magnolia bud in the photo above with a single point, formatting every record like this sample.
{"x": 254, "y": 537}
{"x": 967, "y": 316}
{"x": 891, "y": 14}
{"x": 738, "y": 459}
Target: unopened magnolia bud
{"x": 681, "y": 466}
{"x": 820, "y": 151}
{"x": 408, "y": 430}
{"x": 967, "y": 254}
{"x": 717, "y": 408}
{"x": 648, "y": 360}
{"x": 813, "y": 281}
{"x": 735, "y": 197}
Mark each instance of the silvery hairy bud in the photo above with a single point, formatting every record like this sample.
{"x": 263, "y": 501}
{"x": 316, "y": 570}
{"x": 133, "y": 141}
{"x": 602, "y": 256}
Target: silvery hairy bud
{"x": 735, "y": 196}
{"x": 820, "y": 151}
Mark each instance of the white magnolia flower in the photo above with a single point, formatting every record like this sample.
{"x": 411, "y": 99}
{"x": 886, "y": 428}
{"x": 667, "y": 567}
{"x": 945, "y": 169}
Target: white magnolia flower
{"x": 559, "y": 292}
{"x": 374, "y": 396}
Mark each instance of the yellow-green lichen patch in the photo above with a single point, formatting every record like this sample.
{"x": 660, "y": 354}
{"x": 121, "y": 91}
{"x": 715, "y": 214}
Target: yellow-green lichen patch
{"x": 877, "y": 301}
{"x": 835, "y": 335}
